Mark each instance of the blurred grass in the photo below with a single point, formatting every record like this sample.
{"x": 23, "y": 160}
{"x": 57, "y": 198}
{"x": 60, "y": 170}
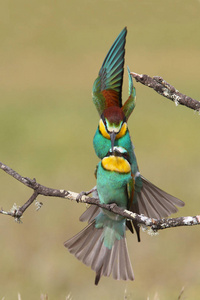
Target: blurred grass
{"x": 50, "y": 55}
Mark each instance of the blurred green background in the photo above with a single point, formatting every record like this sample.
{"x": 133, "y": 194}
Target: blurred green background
{"x": 50, "y": 55}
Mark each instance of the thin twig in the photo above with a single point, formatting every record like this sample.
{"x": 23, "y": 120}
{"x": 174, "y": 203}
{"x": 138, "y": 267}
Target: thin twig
{"x": 167, "y": 90}
{"x": 39, "y": 189}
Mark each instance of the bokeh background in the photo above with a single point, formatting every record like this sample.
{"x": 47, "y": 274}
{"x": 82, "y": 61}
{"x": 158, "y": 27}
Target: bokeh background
{"x": 50, "y": 55}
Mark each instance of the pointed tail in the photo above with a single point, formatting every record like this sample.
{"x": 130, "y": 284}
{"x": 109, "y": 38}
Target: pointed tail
{"x": 88, "y": 246}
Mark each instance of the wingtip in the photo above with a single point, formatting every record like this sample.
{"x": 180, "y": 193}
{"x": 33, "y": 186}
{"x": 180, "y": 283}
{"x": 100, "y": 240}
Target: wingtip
{"x": 123, "y": 32}
{"x": 125, "y": 28}
{"x": 182, "y": 203}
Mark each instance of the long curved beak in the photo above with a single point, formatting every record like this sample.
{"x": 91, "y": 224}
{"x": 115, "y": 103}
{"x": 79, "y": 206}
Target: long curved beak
{"x": 112, "y": 138}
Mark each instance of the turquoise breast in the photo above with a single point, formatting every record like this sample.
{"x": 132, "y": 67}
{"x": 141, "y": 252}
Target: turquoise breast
{"x": 103, "y": 145}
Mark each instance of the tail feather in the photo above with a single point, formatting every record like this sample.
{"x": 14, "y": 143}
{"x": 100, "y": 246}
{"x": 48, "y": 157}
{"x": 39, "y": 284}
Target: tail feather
{"x": 126, "y": 261}
{"x": 109, "y": 262}
{"x": 117, "y": 262}
{"x": 88, "y": 246}
{"x": 92, "y": 248}
{"x": 90, "y": 214}
{"x": 99, "y": 256}
{"x": 116, "y": 268}
{"x": 76, "y": 243}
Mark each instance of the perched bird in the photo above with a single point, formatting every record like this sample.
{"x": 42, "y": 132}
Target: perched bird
{"x": 102, "y": 244}
{"x": 113, "y": 131}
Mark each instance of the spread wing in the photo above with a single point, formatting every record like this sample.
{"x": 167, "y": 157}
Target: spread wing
{"x": 152, "y": 202}
{"x": 107, "y": 88}
{"x": 155, "y": 203}
{"x": 129, "y": 105}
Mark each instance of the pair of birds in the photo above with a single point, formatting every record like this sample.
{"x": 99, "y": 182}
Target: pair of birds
{"x": 102, "y": 244}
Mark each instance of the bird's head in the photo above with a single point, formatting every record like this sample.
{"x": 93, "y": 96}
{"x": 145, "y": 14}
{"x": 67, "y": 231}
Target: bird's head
{"x": 112, "y": 124}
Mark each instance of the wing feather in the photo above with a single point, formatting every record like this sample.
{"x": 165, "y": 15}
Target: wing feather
{"x": 129, "y": 105}
{"x": 155, "y": 203}
{"x": 111, "y": 76}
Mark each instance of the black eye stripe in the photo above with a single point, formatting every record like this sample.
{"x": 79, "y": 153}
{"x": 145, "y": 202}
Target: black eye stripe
{"x": 103, "y": 119}
{"x": 125, "y": 155}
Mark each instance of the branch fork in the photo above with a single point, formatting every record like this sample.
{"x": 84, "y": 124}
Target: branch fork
{"x": 39, "y": 189}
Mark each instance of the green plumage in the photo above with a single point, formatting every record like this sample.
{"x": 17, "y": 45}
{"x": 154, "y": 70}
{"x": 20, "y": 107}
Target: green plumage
{"x": 112, "y": 70}
{"x": 103, "y": 145}
{"x": 112, "y": 229}
{"x": 102, "y": 244}
{"x": 110, "y": 78}
{"x": 129, "y": 105}
{"x": 146, "y": 199}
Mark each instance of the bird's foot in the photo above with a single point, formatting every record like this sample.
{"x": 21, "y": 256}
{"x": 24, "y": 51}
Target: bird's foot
{"x": 81, "y": 194}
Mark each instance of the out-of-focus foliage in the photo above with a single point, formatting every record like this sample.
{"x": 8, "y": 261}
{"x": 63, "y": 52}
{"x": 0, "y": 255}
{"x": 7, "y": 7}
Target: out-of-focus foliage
{"x": 50, "y": 54}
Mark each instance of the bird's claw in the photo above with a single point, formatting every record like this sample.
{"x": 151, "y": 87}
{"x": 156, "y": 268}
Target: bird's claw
{"x": 80, "y": 195}
{"x": 112, "y": 205}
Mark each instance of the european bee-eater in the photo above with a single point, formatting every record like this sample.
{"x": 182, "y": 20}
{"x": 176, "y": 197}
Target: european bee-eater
{"x": 113, "y": 131}
{"x": 102, "y": 244}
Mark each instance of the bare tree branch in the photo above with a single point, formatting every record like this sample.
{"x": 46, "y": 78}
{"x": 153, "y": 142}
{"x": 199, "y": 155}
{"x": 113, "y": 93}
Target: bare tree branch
{"x": 39, "y": 189}
{"x": 167, "y": 90}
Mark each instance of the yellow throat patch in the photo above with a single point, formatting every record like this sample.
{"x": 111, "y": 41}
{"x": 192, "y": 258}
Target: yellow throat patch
{"x": 122, "y": 131}
{"x": 116, "y": 163}
{"x": 105, "y": 134}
